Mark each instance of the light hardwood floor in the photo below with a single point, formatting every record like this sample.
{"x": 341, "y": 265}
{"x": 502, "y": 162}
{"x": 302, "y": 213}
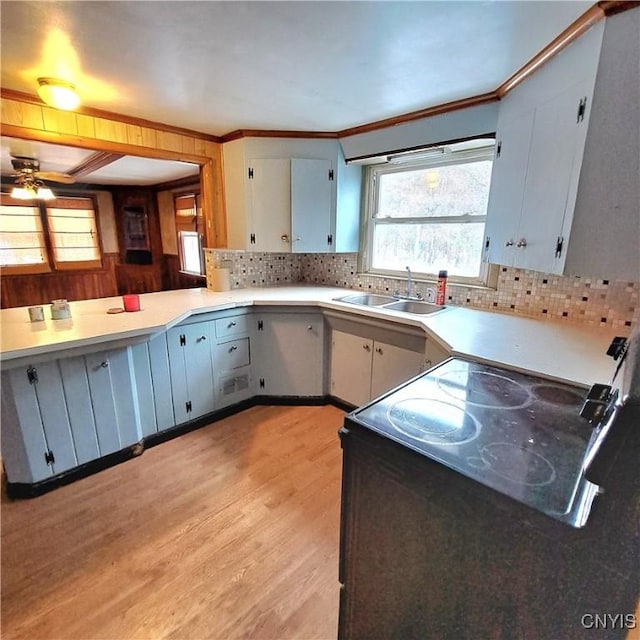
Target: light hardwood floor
{"x": 231, "y": 531}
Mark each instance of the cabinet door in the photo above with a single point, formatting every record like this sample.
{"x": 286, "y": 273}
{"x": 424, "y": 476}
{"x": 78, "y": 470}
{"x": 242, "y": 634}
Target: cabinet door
{"x": 114, "y": 407}
{"x": 35, "y": 423}
{"x": 153, "y": 385}
{"x": 507, "y": 186}
{"x": 351, "y": 367}
{"x": 289, "y": 354}
{"x": 556, "y": 146}
{"x": 191, "y": 371}
{"x": 270, "y": 188}
{"x": 392, "y": 366}
{"x": 311, "y": 201}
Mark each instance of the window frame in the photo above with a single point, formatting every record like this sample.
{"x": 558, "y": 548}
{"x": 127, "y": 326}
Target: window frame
{"x": 51, "y": 265}
{"x": 419, "y": 160}
{"x": 198, "y": 228}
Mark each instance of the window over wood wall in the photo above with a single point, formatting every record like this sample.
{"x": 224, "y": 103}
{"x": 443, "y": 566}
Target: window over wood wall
{"x": 190, "y": 230}
{"x": 39, "y": 236}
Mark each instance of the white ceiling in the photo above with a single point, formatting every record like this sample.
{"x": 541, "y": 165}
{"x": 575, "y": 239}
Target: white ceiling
{"x": 216, "y": 67}
{"x": 128, "y": 170}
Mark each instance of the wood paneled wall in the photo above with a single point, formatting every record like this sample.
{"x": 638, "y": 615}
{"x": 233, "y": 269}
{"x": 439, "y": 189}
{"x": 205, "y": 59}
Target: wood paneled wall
{"x": 24, "y": 290}
{"x": 173, "y": 278}
{"x": 23, "y": 116}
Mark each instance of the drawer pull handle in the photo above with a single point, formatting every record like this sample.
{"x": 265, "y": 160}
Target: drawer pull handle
{"x": 203, "y": 338}
{"x": 231, "y": 324}
{"x": 233, "y": 348}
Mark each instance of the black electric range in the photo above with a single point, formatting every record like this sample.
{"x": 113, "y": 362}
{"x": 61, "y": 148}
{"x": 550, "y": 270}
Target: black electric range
{"x": 519, "y": 434}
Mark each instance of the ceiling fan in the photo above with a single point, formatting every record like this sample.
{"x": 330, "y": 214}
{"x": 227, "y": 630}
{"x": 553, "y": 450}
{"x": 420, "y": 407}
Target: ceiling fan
{"x": 30, "y": 168}
{"x": 29, "y": 179}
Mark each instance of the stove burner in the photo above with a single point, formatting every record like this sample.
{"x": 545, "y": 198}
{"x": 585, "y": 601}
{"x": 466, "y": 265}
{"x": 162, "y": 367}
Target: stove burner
{"x": 484, "y": 389}
{"x": 515, "y": 463}
{"x": 433, "y": 421}
{"x": 557, "y": 395}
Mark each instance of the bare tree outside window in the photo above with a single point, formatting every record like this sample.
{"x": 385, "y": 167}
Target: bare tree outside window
{"x": 430, "y": 214}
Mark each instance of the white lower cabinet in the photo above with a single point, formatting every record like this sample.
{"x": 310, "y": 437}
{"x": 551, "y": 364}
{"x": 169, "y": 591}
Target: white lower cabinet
{"x": 191, "y": 370}
{"x": 364, "y": 368}
{"x": 392, "y": 366}
{"x": 289, "y": 354}
{"x": 153, "y": 385}
{"x": 60, "y": 414}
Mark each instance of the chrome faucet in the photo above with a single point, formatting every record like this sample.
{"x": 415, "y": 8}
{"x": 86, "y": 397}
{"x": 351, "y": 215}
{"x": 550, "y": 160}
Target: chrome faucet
{"x": 407, "y": 294}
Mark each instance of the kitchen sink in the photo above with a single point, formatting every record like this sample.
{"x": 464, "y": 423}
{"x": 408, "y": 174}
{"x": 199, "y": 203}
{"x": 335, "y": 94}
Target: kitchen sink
{"x": 414, "y": 306}
{"x": 367, "y": 299}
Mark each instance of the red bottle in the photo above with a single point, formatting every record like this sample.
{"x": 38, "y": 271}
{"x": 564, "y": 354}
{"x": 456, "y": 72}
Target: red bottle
{"x": 442, "y": 287}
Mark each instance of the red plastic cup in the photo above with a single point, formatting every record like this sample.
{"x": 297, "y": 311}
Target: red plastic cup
{"x": 131, "y": 302}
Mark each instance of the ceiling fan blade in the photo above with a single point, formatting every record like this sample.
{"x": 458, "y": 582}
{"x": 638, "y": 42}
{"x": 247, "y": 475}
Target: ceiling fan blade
{"x": 55, "y": 176}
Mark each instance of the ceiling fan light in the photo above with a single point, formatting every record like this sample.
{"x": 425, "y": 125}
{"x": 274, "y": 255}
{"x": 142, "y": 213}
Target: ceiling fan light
{"x": 44, "y": 193}
{"x": 23, "y": 193}
{"x": 58, "y": 94}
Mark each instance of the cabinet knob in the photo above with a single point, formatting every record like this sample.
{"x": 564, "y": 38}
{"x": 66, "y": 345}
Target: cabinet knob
{"x": 366, "y": 347}
{"x": 379, "y": 350}
{"x": 508, "y": 243}
{"x": 202, "y": 338}
{"x": 521, "y": 243}
{"x": 309, "y": 327}
{"x": 233, "y": 348}
{"x": 231, "y": 324}
{"x": 284, "y": 237}
{"x": 104, "y": 364}
{"x": 427, "y": 363}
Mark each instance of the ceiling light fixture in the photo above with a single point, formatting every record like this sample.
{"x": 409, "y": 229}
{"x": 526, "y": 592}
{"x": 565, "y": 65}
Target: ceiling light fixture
{"x": 58, "y": 93}
{"x": 28, "y": 188}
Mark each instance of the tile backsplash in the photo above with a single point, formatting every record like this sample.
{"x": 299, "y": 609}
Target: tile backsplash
{"x": 591, "y": 301}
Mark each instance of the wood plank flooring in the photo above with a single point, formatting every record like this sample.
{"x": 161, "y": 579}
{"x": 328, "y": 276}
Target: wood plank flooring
{"x": 231, "y": 531}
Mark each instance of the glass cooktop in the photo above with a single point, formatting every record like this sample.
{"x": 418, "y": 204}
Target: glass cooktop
{"x": 518, "y": 434}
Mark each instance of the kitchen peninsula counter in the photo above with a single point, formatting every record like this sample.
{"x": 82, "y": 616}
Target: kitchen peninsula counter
{"x": 557, "y": 350}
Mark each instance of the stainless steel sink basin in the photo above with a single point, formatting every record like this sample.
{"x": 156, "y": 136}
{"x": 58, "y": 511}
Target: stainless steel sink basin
{"x": 367, "y": 299}
{"x": 413, "y": 306}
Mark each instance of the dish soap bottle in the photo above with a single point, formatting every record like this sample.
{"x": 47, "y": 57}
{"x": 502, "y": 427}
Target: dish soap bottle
{"x": 442, "y": 287}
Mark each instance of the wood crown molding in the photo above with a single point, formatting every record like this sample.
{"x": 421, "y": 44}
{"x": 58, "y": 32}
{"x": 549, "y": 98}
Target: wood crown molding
{"x": 421, "y": 113}
{"x": 12, "y": 94}
{"x": 274, "y": 133}
{"x": 571, "y": 33}
{"x": 611, "y": 7}
{"x": 597, "y": 12}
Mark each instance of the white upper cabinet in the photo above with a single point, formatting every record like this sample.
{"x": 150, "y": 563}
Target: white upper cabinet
{"x": 538, "y": 217}
{"x": 312, "y": 188}
{"x": 283, "y": 195}
{"x": 270, "y": 205}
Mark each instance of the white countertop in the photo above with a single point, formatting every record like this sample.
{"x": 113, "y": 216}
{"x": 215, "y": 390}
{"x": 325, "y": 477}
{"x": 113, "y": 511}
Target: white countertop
{"x": 557, "y": 350}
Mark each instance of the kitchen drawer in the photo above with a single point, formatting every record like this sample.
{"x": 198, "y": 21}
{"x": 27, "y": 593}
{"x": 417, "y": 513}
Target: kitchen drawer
{"x": 233, "y": 354}
{"x": 231, "y": 326}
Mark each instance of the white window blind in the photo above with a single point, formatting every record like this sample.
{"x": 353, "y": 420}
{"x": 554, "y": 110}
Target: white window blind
{"x": 73, "y": 233}
{"x": 22, "y": 239}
